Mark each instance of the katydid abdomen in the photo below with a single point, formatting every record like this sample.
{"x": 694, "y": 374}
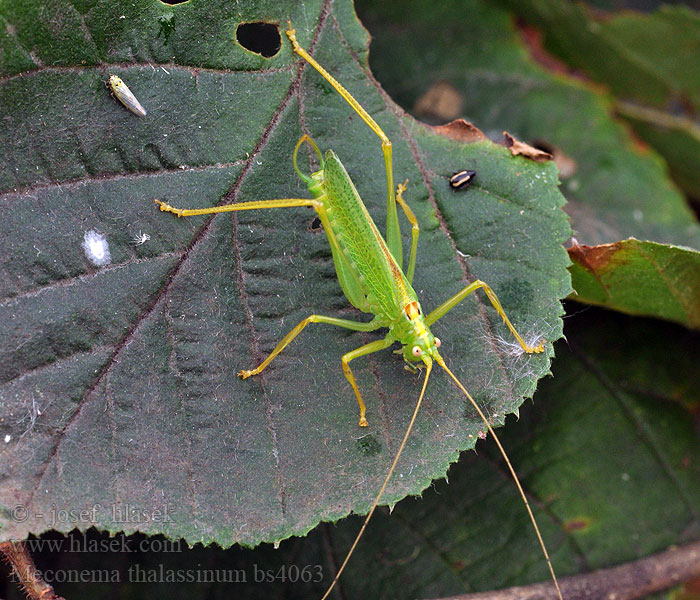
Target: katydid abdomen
{"x": 384, "y": 287}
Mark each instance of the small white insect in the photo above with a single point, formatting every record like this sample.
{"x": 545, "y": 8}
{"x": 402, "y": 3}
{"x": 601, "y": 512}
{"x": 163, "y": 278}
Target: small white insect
{"x": 96, "y": 248}
{"x": 8, "y": 438}
{"x": 125, "y": 96}
{"x": 140, "y": 238}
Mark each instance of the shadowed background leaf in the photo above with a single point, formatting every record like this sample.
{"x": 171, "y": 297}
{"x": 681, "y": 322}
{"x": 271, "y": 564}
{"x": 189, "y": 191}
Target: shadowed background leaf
{"x": 639, "y": 278}
{"x": 649, "y": 62}
{"x": 615, "y": 187}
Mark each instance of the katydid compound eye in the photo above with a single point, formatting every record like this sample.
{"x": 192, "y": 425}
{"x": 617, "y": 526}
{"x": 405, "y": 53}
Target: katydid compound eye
{"x": 437, "y": 342}
{"x": 416, "y": 351}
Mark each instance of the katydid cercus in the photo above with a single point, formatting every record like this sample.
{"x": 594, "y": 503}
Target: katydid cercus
{"x": 369, "y": 271}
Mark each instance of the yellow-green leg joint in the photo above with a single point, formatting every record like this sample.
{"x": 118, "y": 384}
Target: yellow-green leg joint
{"x": 415, "y": 229}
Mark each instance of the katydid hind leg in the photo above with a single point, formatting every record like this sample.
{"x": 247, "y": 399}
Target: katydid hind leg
{"x": 393, "y": 232}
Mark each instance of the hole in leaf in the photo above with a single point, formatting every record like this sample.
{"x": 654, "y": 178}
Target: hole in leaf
{"x": 315, "y": 225}
{"x": 261, "y": 38}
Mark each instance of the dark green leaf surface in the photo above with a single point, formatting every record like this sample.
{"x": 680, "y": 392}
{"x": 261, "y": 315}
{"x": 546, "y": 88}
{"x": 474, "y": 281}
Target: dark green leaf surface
{"x": 676, "y": 138}
{"x": 615, "y": 189}
{"x": 608, "y": 454}
{"x": 119, "y": 390}
{"x": 645, "y": 57}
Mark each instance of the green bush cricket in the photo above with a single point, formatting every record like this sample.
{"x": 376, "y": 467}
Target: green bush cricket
{"x": 369, "y": 271}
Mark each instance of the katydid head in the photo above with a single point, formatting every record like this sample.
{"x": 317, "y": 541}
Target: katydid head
{"x": 418, "y": 341}
{"x": 422, "y": 348}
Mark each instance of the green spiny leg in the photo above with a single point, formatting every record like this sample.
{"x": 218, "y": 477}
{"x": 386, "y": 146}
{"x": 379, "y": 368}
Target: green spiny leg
{"x": 354, "y": 325}
{"x": 415, "y": 229}
{"x": 362, "y": 351}
{"x": 447, "y": 306}
{"x": 393, "y": 232}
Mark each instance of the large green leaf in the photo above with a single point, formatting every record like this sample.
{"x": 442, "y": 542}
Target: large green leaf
{"x": 648, "y": 58}
{"x": 119, "y": 390}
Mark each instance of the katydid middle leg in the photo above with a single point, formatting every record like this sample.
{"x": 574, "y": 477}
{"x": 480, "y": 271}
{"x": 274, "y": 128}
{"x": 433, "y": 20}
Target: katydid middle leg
{"x": 346, "y": 323}
{"x": 375, "y": 346}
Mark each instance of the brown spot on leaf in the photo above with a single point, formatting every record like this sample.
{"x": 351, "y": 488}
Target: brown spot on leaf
{"x": 533, "y": 39}
{"x": 461, "y": 130}
{"x": 692, "y": 587}
{"x": 576, "y": 524}
{"x": 517, "y": 147}
{"x": 593, "y": 258}
{"x": 441, "y": 101}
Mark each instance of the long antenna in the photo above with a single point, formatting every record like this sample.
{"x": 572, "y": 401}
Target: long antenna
{"x": 441, "y": 362}
{"x": 429, "y": 367}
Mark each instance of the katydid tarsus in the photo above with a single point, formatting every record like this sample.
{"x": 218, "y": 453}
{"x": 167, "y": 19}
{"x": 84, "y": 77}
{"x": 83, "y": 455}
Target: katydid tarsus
{"x": 369, "y": 271}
